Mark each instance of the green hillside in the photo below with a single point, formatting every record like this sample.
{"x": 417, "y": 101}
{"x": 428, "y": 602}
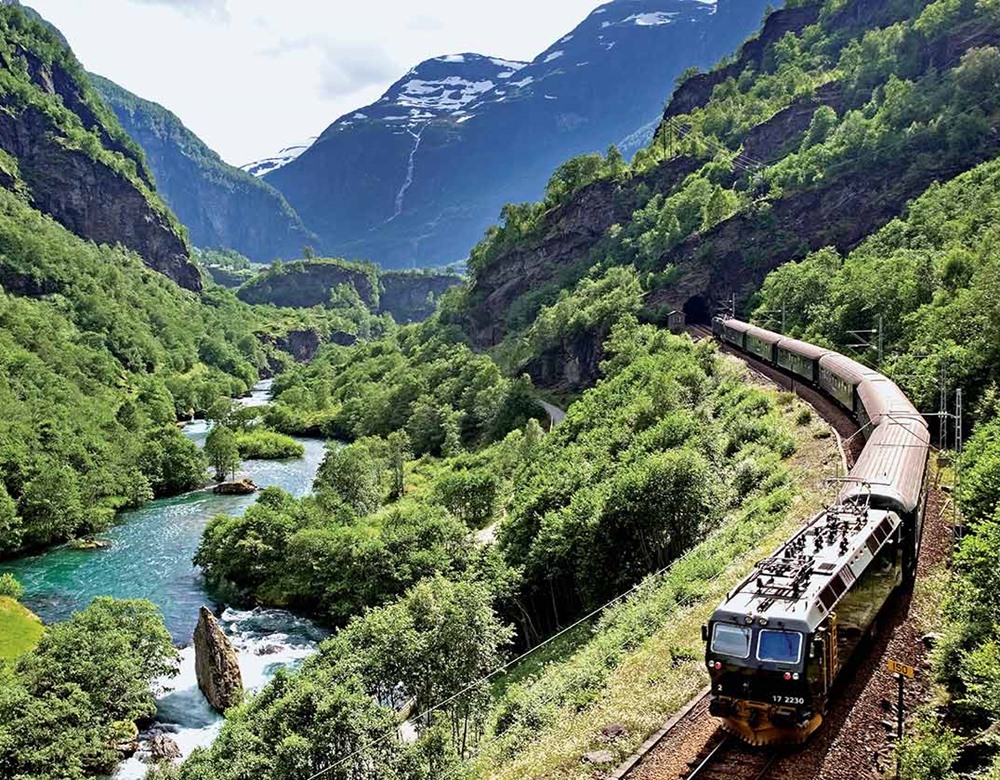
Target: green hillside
{"x": 221, "y": 206}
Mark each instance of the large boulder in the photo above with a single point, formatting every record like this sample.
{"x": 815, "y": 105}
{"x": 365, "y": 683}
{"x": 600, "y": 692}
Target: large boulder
{"x": 216, "y": 664}
{"x": 164, "y": 748}
{"x": 243, "y": 487}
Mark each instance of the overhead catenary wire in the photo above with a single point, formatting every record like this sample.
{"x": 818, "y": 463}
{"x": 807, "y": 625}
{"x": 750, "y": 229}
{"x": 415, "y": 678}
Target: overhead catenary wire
{"x": 506, "y": 666}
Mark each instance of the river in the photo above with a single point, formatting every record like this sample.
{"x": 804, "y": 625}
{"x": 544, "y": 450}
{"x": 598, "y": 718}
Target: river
{"x": 150, "y": 558}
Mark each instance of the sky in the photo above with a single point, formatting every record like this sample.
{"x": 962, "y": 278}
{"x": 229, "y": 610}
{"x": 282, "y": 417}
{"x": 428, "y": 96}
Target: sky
{"x": 253, "y": 76}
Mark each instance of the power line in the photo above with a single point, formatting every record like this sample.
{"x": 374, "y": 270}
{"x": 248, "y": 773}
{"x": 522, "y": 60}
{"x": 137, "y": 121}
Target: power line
{"x": 499, "y": 670}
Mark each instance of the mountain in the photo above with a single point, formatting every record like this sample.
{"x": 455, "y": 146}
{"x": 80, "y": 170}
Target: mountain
{"x": 817, "y": 134}
{"x": 221, "y": 206}
{"x": 283, "y": 157}
{"x": 415, "y": 178}
{"x": 62, "y": 150}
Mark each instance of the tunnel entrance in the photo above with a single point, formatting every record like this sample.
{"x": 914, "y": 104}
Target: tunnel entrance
{"x": 697, "y": 311}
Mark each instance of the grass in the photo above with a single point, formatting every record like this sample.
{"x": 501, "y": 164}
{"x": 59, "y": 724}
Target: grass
{"x": 20, "y": 629}
{"x": 643, "y": 660}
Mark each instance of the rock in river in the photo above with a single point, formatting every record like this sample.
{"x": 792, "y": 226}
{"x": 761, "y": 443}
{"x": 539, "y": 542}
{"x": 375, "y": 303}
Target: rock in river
{"x": 244, "y": 487}
{"x": 215, "y": 663}
{"x": 163, "y": 748}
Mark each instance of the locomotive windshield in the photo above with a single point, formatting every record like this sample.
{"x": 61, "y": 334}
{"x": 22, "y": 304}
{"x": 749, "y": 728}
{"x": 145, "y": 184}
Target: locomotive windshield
{"x": 731, "y": 640}
{"x": 783, "y": 647}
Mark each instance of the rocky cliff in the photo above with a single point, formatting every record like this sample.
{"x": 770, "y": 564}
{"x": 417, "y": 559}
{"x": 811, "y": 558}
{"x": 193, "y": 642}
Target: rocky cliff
{"x": 216, "y": 664}
{"x": 823, "y": 165}
{"x": 221, "y": 206}
{"x": 407, "y": 296}
{"x": 62, "y": 150}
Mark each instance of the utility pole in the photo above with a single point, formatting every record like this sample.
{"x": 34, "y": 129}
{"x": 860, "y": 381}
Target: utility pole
{"x": 943, "y": 409}
{"x": 881, "y": 342}
{"x": 958, "y": 422}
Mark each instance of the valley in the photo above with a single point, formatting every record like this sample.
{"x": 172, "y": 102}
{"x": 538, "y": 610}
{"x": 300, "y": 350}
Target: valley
{"x": 439, "y": 413}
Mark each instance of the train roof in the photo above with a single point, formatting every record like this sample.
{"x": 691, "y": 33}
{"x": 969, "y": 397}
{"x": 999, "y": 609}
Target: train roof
{"x": 883, "y": 399}
{"x": 892, "y": 465}
{"x": 738, "y": 325}
{"x": 846, "y": 368}
{"x": 803, "y": 348}
{"x": 809, "y": 574}
{"x": 767, "y": 336}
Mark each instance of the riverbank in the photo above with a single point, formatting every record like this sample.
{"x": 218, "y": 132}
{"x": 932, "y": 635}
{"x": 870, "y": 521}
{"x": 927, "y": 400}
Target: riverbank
{"x": 150, "y": 557}
{"x": 20, "y": 629}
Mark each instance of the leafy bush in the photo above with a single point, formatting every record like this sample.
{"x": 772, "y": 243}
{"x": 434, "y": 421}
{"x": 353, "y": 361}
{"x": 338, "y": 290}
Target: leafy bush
{"x": 10, "y": 587}
{"x": 259, "y": 444}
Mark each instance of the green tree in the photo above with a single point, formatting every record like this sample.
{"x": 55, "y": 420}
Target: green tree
{"x": 222, "y": 452}
{"x": 51, "y": 505}
{"x": 472, "y": 496}
{"x": 354, "y": 475}
{"x": 399, "y": 452}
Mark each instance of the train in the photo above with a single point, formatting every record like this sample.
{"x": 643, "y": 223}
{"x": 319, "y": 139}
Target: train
{"x": 780, "y": 641}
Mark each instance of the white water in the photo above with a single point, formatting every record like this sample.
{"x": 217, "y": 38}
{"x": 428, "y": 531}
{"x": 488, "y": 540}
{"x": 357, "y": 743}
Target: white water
{"x": 265, "y": 640}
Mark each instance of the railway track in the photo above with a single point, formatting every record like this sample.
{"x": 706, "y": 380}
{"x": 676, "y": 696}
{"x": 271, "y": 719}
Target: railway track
{"x": 730, "y": 759}
{"x": 854, "y": 741}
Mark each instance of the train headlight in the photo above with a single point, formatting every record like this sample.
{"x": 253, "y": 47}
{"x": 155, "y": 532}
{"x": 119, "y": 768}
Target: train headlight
{"x": 795, "y": 676}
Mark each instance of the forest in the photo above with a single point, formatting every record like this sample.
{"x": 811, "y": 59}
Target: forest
{"x": 452, "y": 525}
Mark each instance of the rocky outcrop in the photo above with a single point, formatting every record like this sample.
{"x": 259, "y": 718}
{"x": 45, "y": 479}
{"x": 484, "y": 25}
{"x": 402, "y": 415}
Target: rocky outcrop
{"x": 696, "y": 90}
{"x": 564, "y": 241}
{"x": 215, "y": 663}
{"x": 407, "y": 296}
{"x": 242, "y": 487}
{"x": 307, "y": 283}
{"x": 572, "y": 366}
{"x": 163, "y": 748}
{"x": 412, "y": 297}
{"x": 69, "y": 179}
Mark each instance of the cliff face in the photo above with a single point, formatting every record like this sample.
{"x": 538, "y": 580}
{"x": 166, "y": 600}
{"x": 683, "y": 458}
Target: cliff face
{"x": 220, "y": 205}
{"x": 412, "y": 297}
{"x": 408, "y": 297}
{"x": 562, "y": 246}
{"x": 938, "y": 80}
{"x": 71, "y": 159}
{"x": 304, "y": 284}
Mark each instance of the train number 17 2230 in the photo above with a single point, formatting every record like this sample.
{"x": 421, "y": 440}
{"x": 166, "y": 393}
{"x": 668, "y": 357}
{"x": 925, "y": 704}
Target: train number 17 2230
{"x": 778, "y": 699}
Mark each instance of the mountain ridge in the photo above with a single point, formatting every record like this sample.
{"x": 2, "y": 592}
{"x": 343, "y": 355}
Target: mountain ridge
{"x": 221, "y": 206}
{"x": 494, "y": 140}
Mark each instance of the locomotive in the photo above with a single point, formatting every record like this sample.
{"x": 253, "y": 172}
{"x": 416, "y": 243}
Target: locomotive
{"x": 778, "y": 643}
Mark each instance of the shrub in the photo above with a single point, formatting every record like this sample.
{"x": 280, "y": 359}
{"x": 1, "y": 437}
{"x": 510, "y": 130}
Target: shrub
{"x": 268, "y": 445}
{"x": 10, "y": 587}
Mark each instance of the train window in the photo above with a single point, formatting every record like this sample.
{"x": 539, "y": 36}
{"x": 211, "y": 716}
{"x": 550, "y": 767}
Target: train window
{"x": 731, "y": 640}
{"x": 783, "y": 647}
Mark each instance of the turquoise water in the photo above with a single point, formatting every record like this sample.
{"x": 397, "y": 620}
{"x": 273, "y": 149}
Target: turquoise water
{"x": 150, "y": 558}
{"x": 151, "y": 552}
{"x": 152, "y": 547}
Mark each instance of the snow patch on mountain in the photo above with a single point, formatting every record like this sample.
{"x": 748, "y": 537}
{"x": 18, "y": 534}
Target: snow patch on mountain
{"x": 449, "y": 94}
{"x": 266, "y": 165}
{"x": 554, "y": 56}
{"x": 653, "y": 19}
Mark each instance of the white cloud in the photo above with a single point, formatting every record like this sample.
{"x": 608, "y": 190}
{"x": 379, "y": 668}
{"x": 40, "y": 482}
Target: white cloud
{"x": 215, "y": 9}
{"x": 252, "y": 76}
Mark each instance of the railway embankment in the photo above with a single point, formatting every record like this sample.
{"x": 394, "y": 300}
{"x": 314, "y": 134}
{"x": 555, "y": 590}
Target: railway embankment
{"x": 856, "y": 741}
{"x": 612, "y": 685}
